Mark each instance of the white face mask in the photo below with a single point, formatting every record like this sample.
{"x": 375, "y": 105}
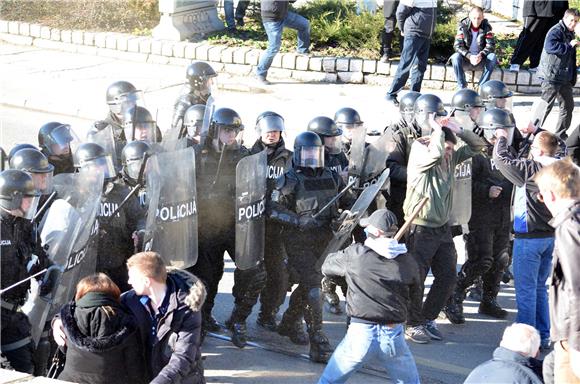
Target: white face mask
{"x": 385, "y": 246}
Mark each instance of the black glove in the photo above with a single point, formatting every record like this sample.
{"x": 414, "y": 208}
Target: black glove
{"x": 307, "y": 223}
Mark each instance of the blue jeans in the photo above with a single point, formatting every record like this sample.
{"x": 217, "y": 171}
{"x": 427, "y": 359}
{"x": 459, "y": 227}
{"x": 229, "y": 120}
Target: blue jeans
{"x": 413, "y": 62}
{"x": 459, "y": 62}
{"x": 274, "y": 32}
{"x": 532, "y": 264}
{"x": 361, "y": 343}
{"x": 229, "y": 11}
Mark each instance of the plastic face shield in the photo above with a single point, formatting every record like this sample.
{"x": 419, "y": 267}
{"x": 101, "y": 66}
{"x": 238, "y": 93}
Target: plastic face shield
{"x": 144, "y": 131}
{"x": 503, "y": 103}
{"x": 43, "y": 182}
{"x": 464, "y": 119}
{"x": 333, "y": 144}
{"x": 204, "y": 86}
{"x": 194, "y": 129}
{"x": 133, "y": 167}
{"x": 28, "y": 206}
{"x": 125, "y": 101}
{"x": 423, "y": 121}
{"x": 60, "y": 140}
{"x": 348, "y": 130}
{"x": 312, "y": 157}
{"x": 228, "y": 138}
{"x": 489, "y": 135}
{"x": 104, "y": 163}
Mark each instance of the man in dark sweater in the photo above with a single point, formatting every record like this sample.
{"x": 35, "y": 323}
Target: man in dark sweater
{"x": 539, "y": 17}
{"x": 379, "y": 274}
{"x": 275, "y": 16}
{"x": 558, "y": 69}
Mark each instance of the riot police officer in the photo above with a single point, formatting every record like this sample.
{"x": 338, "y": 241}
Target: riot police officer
{"x": 200, "y": 78}
{"x": 331, "y": 136}
{"x": 132, "y": 159}
{"x": 192, "y": 124}
{"x": 216, "y": 160}
{"x": 494, "y": 93}
{"x": 33, "y": 162}
{"x": 300, "y": 193}
{"x": 18, "y": 203}
{"x": 487, "y": 242}
{"x": 270, "y": 127}
{"x": 348, "y": 120}
{"x": 138, "y": 124}
{"x": 54, "y": 140}
{"x": 115, "y": 242}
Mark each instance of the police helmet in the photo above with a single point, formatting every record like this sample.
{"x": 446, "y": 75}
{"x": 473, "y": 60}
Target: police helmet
{"x": 308, "y": 150}
{"x": 15, "y": 185}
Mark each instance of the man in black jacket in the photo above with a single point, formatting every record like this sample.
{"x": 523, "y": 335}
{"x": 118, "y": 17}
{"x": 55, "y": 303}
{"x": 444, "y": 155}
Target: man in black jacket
{"x": 474, "y": 47}
{"x": 276, "y": 17}
{"x": 379, "y": 274}
{"x": 559, "y": 185}
{"x": 558, "y": 69}
{"x": 540, "y": 16}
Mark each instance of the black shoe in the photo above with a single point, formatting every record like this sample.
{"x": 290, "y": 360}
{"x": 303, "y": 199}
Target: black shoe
{"x": 392, "y": 99}
{"x": 320, "y": 350}
{"x": 267, "y": 322}
{"x": 240, "y": 21}
{"x": 239, "y": 333}
{"x": 454, "y": 312}
{"x": 476, "y": 291}
{"x": 492, "y": 308}
{"x": 507, "y": 277}
{"x": 295, "y": 331}
{"x": 210, "y": 324}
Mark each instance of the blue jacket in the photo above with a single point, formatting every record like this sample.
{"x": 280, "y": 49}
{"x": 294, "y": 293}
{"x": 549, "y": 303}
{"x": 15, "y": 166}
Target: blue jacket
{"x": 506, "y": 367}
{"x": 558, "y": 61}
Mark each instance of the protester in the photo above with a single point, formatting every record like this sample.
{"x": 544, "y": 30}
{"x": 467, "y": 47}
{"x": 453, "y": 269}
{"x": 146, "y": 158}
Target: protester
{"x": 474, "y": 47}
{"x": 416, "y": 20}
{"x": 559, "y": 185}
{"x": 513, "y": 361}
{"x": 102, "y": 336}
{"x": 558, "y": 69}
{"x": 276, "y": 17}
{"x": 379, "y": 274}
{"x": 539, "y": 17}
{"x": 388, "y": 32}
{"x": 534, "y": 237}
{"x": 237, "y": 18}
{"x": 430, "y": 173}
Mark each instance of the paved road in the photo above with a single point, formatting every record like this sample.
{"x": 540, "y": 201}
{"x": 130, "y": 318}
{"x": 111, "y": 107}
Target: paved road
{"x": 40, "y": 86}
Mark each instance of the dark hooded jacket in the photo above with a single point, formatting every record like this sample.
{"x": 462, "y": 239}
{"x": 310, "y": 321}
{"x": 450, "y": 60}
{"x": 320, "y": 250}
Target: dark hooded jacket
{"x": 102, "y": 342}
{"x": 173, "y": 353}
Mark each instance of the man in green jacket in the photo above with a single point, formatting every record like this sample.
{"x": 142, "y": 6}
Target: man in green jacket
{"x": 431, "y": 173}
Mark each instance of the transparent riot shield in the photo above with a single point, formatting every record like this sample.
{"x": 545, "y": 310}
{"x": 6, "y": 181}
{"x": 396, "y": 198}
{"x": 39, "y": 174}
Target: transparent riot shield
{"x": 172, "y": 215}
{"x": 376, "y": 158}
{"x": 210, "y": 108}
{"x": 357, "y": 211}
{"x": 66, "y": 232}
{"x": 105, "y": 138}
{"x": 251, "y": 175}
{"x": 461, "y": 203}
{"x": 172, "y": 141}
{"x": 356, "y": 156}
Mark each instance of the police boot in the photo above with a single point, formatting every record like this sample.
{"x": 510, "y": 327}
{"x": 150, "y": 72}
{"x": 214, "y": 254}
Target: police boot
{"x": 267, "y": 320}
{"x": 331, "y": 299}
{"x": 475, "y": 292}
{"x": 291, "y": 326}
{"x": 239, "y": 331}
{"x": 320, "y": 349}
{"x": 489, "y": 305}
{"x": 454, "y": 308}
{"x": 386, "y": 51}
{"x": 209, "y": 323}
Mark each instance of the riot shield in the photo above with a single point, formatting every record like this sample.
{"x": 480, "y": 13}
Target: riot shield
{"x": 357, "y": 155}
{"x": 376, "y": 158}
{"x": 66, "y": 232}
{"x": 172, "y": 216}
{"x": 461, "y": 204}
{"x": 105, "y": 138}
{"x": 357, "y": 211}
{"x": 171, "y": 140}
{"x": 207, "y": 118}
{"x": 251, "y": 175}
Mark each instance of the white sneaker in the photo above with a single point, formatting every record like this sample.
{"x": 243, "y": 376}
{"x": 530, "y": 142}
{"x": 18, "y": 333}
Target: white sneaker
{"x": 514, "y": 68}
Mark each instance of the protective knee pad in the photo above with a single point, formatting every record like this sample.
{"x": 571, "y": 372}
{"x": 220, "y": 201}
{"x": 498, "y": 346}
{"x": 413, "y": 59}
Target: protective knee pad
{"x": 502, "y": 261}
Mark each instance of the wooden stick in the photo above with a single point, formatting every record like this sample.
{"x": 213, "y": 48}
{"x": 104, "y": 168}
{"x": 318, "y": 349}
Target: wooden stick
{"x": 408, "y": 223}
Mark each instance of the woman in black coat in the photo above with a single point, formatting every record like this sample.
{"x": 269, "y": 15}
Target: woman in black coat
{"x": 103, "y": 343}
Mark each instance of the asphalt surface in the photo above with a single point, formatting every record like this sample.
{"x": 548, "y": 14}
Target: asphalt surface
{"x": 41, "y": 85}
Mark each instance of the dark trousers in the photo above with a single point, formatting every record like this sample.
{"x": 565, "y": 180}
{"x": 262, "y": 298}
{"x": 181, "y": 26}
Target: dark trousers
{"x": 413, "y": 62}
{"x": 531, "y": 40}
{"x": 565, "y": 96}
{"x": 16, "y": 327}
{"x": 248, "y": 284}
{"x": 274, "y": 292}
{"x": 487, "y": 256}
{"x": 432, "y": 248}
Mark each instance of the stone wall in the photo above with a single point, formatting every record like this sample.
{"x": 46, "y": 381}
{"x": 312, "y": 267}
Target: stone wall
{"x": 243, "y": 60}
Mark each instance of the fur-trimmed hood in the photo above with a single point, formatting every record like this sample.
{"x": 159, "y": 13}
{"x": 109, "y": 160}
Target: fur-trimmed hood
{"x": 188, "y": 289}
{"x": 96, "y": 344}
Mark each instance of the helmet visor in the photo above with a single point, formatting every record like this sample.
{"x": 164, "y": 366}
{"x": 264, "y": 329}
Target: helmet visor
{"x": 194, "y": 128}
{"x": 203, "y": 86}
{"x": 423, "y": 120}
{"x": 61, "y": 135}
{"x": 143, "y": 131}
{"x": 132, "y": 168}
{"x": 490, "y": 136}
{"x": 104, "y": 164}
{"x": 124, "y": 101}
{"x": 228, "y": 138}
{"x": 464, "y": 120}
{"x": 43, "y": 182}
{"x": 270, "y": 124}
{"x": 28, "y": 206}
{"x": 312, "y": 157}
{"x": 503, "y": 103}
{"x": 349, "y": 129}
{"x": 333, "y": 144}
